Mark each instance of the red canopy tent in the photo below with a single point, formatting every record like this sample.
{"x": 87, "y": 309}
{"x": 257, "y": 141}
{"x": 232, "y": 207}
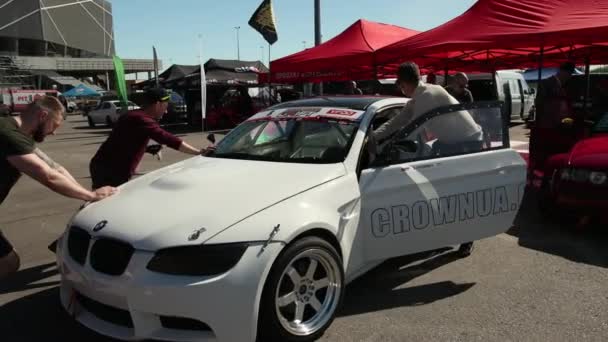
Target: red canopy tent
{"x": 348, "y": 56}
{"x": 508, "y": 33}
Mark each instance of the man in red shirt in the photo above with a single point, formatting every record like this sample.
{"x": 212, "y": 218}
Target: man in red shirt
{"x": 118, "y": 157}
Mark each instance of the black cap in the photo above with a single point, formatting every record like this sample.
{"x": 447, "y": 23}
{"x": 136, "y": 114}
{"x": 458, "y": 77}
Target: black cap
{"x": 568, "y": 67}
{"x": 154, "y": 95}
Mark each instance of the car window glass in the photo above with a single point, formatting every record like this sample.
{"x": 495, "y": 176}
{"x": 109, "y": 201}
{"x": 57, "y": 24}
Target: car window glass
{"x": 523, "y": 86}
{"x": 453, "y": 133}
{"x": 292, "y": 140}
{"x": 271, "y": 132}
{"x": 107, "y": 105}
{"x": 601, "y": 126}
{"x": 383, "y": 116}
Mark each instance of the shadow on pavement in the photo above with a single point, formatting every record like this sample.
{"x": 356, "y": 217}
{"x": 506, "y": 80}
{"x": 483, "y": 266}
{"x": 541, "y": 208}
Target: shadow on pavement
{"x": 40, "y": 317}
{"x": 558, "y": 236}
{"x": 28, "y": 279}
{"x": 377, "y": 290}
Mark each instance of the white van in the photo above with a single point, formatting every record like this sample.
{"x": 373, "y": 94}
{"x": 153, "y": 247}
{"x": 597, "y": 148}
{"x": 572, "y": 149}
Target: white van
{"x": 510, "y": 87}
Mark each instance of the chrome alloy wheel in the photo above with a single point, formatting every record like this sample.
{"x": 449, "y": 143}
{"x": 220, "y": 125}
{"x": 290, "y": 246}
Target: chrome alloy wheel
{"x": 308, "y": 292}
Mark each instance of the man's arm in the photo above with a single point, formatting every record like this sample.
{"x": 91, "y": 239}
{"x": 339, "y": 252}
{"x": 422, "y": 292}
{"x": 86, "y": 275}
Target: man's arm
{"x": 33, "y": 166}
{"x": 396, "y": 123}
{"x": 53, "y": 165}
{"x": 163, "y": 137}
{"x": 187, "y": 148}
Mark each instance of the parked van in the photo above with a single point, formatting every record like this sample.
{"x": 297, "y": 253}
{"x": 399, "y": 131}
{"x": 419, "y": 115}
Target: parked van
{"x": 510, "y": 87}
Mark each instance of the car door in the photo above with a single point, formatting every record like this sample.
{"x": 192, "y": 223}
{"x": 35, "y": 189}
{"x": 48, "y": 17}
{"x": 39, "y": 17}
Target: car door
{"x": 443, "y": 193}
{"x": 516, "y": 99}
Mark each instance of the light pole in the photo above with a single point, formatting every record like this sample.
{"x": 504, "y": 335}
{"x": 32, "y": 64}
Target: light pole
{"x": 318, "y": 33}
{"x": 238, "y": 47}
{"x": 261, "y": 53}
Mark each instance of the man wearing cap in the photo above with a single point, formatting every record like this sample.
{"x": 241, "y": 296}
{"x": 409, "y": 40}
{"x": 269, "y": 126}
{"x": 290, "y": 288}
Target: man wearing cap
{"x": 118, "y": 157}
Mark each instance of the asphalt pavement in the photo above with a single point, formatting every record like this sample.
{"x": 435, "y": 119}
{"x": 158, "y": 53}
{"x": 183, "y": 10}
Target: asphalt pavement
{"x": 541, "y": 281}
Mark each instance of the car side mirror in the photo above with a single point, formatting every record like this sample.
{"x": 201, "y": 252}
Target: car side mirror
{"x": 211, "y": 138}
{"x": 532, "y": 91}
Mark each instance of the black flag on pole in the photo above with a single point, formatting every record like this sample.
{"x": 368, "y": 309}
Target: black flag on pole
{"x": 263, "y": 22}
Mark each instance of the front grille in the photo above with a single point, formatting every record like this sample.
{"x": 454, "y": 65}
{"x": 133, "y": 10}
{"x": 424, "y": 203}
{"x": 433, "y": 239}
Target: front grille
{"x": 110, "y": 256}
{"x": 78, "y": 244}
{"x": 105, "y": 312}
{"x": 179, "y": 323}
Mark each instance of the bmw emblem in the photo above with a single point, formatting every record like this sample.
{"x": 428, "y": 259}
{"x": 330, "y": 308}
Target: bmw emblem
{"x": 101, "y": 225}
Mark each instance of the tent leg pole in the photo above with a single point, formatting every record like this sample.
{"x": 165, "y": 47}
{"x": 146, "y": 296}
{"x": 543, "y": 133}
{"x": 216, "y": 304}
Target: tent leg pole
{"x": 445, "y": 76}
{"x": 269, "y": 79}
{"x": 540, "y": 67}
{"x": 587, "y": 82}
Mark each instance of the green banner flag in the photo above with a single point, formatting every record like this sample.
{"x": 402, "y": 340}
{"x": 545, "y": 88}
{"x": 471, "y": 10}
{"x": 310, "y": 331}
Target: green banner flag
{"x": 121, "y": 83}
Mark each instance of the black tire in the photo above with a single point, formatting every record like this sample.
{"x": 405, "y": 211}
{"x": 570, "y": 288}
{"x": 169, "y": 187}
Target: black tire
{"x": 466, "y": 249}
{"x": 109, "y": 122}
{"x": 91, "y": 123}
{"x": 270, "y": 327}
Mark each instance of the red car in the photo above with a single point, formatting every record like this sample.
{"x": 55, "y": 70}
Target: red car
{"x": 577, "y": 181}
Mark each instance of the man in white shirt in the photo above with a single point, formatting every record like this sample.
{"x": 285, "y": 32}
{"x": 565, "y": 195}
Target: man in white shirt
{"x": 451, "y": 128}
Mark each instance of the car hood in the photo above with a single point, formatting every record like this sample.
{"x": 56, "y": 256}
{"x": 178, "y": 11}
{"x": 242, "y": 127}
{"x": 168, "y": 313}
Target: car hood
{"x": 166, "y": 207}
{"x": 590, "y": 153}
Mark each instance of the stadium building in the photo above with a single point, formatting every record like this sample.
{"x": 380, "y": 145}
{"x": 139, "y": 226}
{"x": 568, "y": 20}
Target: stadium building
{"x": 59, "y": 43}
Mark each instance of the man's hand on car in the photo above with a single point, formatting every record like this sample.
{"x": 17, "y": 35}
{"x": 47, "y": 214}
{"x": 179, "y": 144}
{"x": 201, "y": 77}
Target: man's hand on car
{"x": 208, "y": 150}
{"x": 104, "y": 192}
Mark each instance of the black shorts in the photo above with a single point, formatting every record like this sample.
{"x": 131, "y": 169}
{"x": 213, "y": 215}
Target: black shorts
{"x": 5, "y": 246}
{"x": 103, "y": 176}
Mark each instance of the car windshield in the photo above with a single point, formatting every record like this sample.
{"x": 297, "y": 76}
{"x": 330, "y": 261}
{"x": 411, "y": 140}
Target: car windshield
{"x": 319, "y": 141}
{"x": 601, "y": 126}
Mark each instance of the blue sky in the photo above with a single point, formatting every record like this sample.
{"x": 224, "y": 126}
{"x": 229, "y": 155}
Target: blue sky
{"x": 173, "y": 26}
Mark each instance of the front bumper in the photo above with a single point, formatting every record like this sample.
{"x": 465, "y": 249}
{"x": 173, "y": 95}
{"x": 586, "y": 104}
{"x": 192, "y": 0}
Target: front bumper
{"x": 141, "y": 304}
{"x": 584, "y": 198}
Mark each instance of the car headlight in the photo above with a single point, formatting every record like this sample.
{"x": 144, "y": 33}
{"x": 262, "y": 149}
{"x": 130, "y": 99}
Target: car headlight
{"x": 200, "y": 260}
{"x": 580, "y": 175}
{"x": 598, "y": 178}
{"x": 584, "y": 176}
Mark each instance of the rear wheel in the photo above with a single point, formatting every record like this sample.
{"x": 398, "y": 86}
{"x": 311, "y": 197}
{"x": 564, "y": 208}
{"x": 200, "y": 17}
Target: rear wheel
{"x": 91, "y": 122}
{"x": 302, "y": 292}
{"x": 109, "y": 122}
{"x": 465, "y": 249}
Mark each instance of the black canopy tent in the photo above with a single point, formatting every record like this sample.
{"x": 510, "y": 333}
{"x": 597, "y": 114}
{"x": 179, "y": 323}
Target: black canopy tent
{"x": 170, "y": 76}
{"x": 227, "y": 73}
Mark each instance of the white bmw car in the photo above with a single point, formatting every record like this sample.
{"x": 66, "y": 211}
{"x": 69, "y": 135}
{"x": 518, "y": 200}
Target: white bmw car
{"x": 259, "y": 239}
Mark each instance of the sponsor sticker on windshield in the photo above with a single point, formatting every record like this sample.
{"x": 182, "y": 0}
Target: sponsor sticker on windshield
{"x": 310, "y": 113}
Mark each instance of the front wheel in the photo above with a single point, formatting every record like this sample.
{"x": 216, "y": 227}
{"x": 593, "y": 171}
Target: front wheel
{"x": 302, "y": 293}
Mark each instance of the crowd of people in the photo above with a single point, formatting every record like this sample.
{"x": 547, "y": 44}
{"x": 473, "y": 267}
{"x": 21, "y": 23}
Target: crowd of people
{"x": 114, "y": 163}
